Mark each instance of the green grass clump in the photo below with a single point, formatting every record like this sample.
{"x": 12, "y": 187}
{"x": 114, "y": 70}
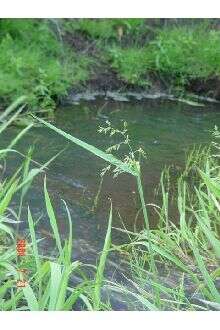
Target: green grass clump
{"x": 177, "y": 54}
{"x": 187, "y": 52}
{"x": 185, "y": 245}
{"x": 131, "y": 64}
{"x": 34, "y": 62}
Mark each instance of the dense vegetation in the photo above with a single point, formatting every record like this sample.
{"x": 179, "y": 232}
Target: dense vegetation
{"x": 177, "y": 54}
{"x": 34, "y": 62}
{"x": 44, "y": 59}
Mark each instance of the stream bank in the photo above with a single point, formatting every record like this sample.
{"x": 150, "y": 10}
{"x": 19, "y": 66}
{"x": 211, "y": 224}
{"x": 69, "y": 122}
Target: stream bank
{"x": 146, "y": 56}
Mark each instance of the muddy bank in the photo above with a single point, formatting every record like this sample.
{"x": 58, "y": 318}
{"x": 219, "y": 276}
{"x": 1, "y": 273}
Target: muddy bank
{"x": 104, "y": 79}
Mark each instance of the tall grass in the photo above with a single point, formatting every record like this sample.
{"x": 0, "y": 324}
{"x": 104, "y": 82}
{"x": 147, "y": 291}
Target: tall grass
{"x": 184, "y": 246}
{"x": 187, "y": 245}
{"x": 48, "y": 278}
{"x": 190, "y": 244}
{"x": 49, "y": 282}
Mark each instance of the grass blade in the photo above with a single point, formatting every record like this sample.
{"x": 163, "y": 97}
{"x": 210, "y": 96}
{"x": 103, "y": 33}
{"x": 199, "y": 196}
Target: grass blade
{"x": 101, "y": 265}
{"x": 52, "y": 218}
{"x": 95, "y": 151}
{"x": 31, "y": 299}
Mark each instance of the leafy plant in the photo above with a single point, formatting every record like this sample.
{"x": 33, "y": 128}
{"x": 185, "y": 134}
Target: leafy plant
{"x": 35, "y": 63}
{"x": 132, "y": 64}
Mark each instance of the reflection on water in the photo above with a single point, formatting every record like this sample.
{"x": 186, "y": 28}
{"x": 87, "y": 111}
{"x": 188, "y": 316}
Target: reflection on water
{"x": 165, "y": 130}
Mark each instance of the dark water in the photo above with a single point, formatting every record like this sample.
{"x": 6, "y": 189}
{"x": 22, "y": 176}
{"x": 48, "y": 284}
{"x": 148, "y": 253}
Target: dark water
{"x": 165, "y": 130}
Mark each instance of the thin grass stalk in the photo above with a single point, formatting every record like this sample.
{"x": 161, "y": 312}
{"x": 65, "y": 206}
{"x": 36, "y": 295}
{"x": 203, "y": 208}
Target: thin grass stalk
{"x": 95, "y": 151}
{"x": 144, "y": 209}
{"x": 35, "y": 247}
{"x": 101, "y": 266}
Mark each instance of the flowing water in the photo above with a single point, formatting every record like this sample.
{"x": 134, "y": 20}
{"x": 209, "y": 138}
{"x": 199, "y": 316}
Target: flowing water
{"x": 164, "y": 129}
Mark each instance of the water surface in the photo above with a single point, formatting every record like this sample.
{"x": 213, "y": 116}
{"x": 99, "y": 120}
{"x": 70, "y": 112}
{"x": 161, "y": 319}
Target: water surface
{"x": 164, "y": 129}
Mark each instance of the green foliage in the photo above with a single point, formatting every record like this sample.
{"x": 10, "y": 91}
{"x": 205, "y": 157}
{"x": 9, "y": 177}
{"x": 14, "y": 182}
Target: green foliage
{"x": 179, "y": 54}
{"x": 187, "y": 52}
{"x": 189, "y": 243}
{"x": 105, "y": 29}
{"x": 131, "y": 64}
{"x": 33, "y": 62}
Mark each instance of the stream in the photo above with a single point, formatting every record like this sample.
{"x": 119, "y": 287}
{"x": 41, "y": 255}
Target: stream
{"x": 166, "y": 130}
